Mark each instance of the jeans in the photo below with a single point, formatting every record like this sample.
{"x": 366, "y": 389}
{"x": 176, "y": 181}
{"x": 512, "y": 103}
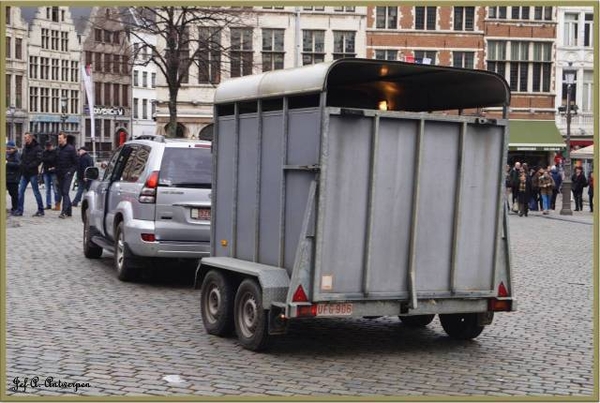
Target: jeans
{"x": 13, "y": 191}
{"x": 82, "y": 186}
{"x": 546, "y": 201}
{"x": 50, "y": 183}
{"x": 64, "y": 184}
{"x": 36, "y": 192}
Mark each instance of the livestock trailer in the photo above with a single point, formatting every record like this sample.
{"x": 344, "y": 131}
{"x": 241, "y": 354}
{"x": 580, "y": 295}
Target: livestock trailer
{"x": 357, "y": 188}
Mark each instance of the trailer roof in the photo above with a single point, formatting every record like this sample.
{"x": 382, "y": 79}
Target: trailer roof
{"x": 363, "y": 83}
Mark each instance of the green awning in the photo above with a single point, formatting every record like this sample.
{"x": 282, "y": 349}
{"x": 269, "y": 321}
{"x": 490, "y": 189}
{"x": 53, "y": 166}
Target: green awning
{"x": 534, "y": 135}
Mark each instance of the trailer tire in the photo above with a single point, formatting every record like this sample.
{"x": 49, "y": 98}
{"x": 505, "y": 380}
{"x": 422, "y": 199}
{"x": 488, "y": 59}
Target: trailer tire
{"x": 417, "y": 320}
{"x": 216, "y": 304}
{"x": 251, "y": 324}
{"x": 461, "y": 326}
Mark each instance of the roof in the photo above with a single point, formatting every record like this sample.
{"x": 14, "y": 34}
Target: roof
{"x": 363, "y": 83}
{"x": 534, "y": 135}
{"x": 79, "y": 15}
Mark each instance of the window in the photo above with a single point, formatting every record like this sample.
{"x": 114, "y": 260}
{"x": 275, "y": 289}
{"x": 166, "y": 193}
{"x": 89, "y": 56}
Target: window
{"x": 33, "y": 99}
{"x": 55, "y": 69}
{"x": 425, "y": 56}
{"x": 124, "y": 65}
{"x": 107, "y": 98}
{"x": 8, "y": 84}
{"x": 55, "y": 14}
{"x": 88, "y": 58}
{"x": 144, "y": 109}
{"x": 209, "y": 56}
{"x": 313, "y": 47}
{"x": 520, "y": 13}
{"x": 587, "y": 102}
{"x": 320, "y": 8}
{"x": 55, "y": 102}
{"x": 273, "y": 8}
{"x": 54, "y": 39}
{"x": 18, "y": 48}
{"x": 184, "y": 56}
{"x": 570, "y": 32}
{"x": 64, "y": 70}
{"x": 98, "y": 62}
{"x": 106, "y": 124}
{"x": 8, "y": 12}
{"x": 541, "y": 67}
{"x": 348, "y": 9}
{"x": 463, "y": 59}
{"x": 386, "y": 17}
{"x": 107, "y": 63}
{"x": 241, "y": 54}
{"x": 136, "y": 114}
{"x": 18, "y": 91}
{"x": 116, "y": 93}
{"x": 116, "y": 64}
{"x": 64, "y": 41}
{"x": 425, "y": 17}
{"x": 8, "y": 47}
{"x": 588, "y": 31}
{"x": 74, "y": 101}
{"x": 107, "y": 36}
{"x": 497, "y": 13}
{"x": 98, "y": 93}
{"x": 65, "y": 95}
{"x": 136, "y": 163}
{"x": 98, "y": 35}
{"x": 272, "y": 49}
{"x": 45, "y": 70}
{"x": 386, "y": 54}
{"x": 136, "y": 81}
{"x": 464, "y": 18}
{"x": 62, "y": 15}
{"x": 343, "y": 44}
{"x": 125, "y": 96}
{"x": 153, "y": 80}
{"x": 496, "y": 57}
{"x": 145, "y": 79}
{"x": 74, "y": 71}
{"x": 116, "y": 37}
{"x": 542, "y": 13}
{"x": 33, "y": 67}
{"x": 519, "y": 66}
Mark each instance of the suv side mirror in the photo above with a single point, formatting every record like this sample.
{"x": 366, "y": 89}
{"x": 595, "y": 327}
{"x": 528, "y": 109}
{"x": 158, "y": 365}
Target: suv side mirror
{"x": 91, "y": 173}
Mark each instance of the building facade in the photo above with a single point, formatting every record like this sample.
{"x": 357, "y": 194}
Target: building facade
{"x": 17, "y": 39}
{"x": 271, "y": 38}
{"x": 107, "y": 50}
{"x": 144, "y": 89}
{"x": 54, "y": 88}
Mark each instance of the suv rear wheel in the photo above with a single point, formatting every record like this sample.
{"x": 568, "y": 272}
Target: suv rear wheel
{"x": 123, "y": 264}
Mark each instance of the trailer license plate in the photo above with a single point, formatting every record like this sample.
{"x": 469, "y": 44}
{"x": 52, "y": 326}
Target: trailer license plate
{"x": 337, "y": 309}
{"x": 200, "y": 214}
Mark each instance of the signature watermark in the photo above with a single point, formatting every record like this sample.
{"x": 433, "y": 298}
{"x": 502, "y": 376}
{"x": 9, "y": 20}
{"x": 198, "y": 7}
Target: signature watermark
{"x": 50, "y": 382}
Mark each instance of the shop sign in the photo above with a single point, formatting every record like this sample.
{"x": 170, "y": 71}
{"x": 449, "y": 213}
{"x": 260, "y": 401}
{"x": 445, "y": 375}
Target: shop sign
{"x": 106, "y": 110}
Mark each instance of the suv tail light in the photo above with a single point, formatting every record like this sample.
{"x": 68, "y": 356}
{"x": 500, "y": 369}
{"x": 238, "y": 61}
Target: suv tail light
{"x": 148, "y": 193}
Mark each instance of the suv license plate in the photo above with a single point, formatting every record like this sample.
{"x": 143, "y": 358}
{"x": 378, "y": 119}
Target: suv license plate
{"x": 200, "y": 214}
{"x": 336, "y": 309}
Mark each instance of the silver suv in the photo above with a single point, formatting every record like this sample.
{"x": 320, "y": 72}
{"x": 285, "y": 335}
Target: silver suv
{"x": 152, "y": 201}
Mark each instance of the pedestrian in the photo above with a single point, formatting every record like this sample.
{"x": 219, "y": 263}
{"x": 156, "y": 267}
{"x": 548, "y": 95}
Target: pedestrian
{"x": 579, "y": 182}
{"x": 556, "y": 176}
{"x": 13, "y": 175}
{"x": 31, "y": 158}
{"x": 85, "y": 160}
{"x": 508, "y": 186}
{"x": 524, "y": 193}
{"x": 514, "y": 179}
{"x": 591, "y": 190}
{"x": 535, "y": 190}
{"x": 49, "y": 174}
{"x": 545, "y": 184}
{"x": 66, "y": 165}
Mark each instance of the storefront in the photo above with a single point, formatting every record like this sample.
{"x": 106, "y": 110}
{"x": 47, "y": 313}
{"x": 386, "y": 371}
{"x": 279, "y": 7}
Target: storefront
{"x": 535, "y": 142}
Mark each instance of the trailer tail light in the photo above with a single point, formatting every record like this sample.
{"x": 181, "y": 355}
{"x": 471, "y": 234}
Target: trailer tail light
{"x": 148, "y": 193}
{"x": 300, "y": 295}
{"x": 307, "y": 310}
{"x": 148, "y": 237}
{"x": 502, "y": 292}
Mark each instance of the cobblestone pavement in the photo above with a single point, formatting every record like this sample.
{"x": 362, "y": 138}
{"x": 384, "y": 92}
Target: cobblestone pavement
{"x": 71, "y": 319}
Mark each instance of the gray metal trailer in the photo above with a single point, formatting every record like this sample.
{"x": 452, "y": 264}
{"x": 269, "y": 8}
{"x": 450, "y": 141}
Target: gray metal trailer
{"x": 341, "y": 190}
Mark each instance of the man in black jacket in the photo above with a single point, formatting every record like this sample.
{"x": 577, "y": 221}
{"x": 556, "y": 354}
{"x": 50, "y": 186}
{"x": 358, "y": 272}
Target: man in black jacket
{"x": 85, "y": 160}
{"x": 31, "y": 159}
{"x": 13, "y": 175}
{"x": 66, "y": 164}
{"x": 49, "y": 174}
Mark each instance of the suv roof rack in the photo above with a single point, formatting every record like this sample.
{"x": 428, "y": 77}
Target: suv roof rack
{"x": 152, "y": 137}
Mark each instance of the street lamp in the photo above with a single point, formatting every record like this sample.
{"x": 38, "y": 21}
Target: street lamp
{"x": 63, "y": 115}
{"x": 11, "y": 111}
{"x": 570, "y": 74}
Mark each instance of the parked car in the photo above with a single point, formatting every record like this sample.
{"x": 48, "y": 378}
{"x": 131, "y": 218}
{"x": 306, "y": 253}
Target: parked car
{"x": 152, "y": 201}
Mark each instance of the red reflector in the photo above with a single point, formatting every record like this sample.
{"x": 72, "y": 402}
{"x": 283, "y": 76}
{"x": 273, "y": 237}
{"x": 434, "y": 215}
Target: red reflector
{"x": 152, "y": 181}
{"x": 300, "y": 295}
{"x": 502, "y": 291}
{"x": 148, "y": 237}
{"x": 499, "y": 305}
{"x": 310, "y": 310}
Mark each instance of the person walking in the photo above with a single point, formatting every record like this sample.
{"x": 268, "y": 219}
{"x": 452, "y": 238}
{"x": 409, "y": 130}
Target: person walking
{"x": 545, "y": 184}
{"x": 49, "y": 174}
{"x": 591, "y": 190}
{"x": 556, "y": 176}
{"x": 579, "y": 182}
{"x": 85, "y": 160}
{"x": 524, "y": 193}
{"x": 13, "y": 175}
{"x": 66, "y": 164}
{"x": 514, "y": 180}
{"x": 31, "y": 158}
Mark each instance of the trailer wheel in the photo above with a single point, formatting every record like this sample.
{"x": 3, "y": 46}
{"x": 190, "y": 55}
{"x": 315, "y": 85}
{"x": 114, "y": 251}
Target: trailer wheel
{"x": 216, "y": 304}
{"x": 417, "y": 320}
{"x": 462, "y": 326}
{"x": 249, "y": 316}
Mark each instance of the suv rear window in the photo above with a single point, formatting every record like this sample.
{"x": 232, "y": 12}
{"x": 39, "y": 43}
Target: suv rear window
{"x": 186, "y": 167}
